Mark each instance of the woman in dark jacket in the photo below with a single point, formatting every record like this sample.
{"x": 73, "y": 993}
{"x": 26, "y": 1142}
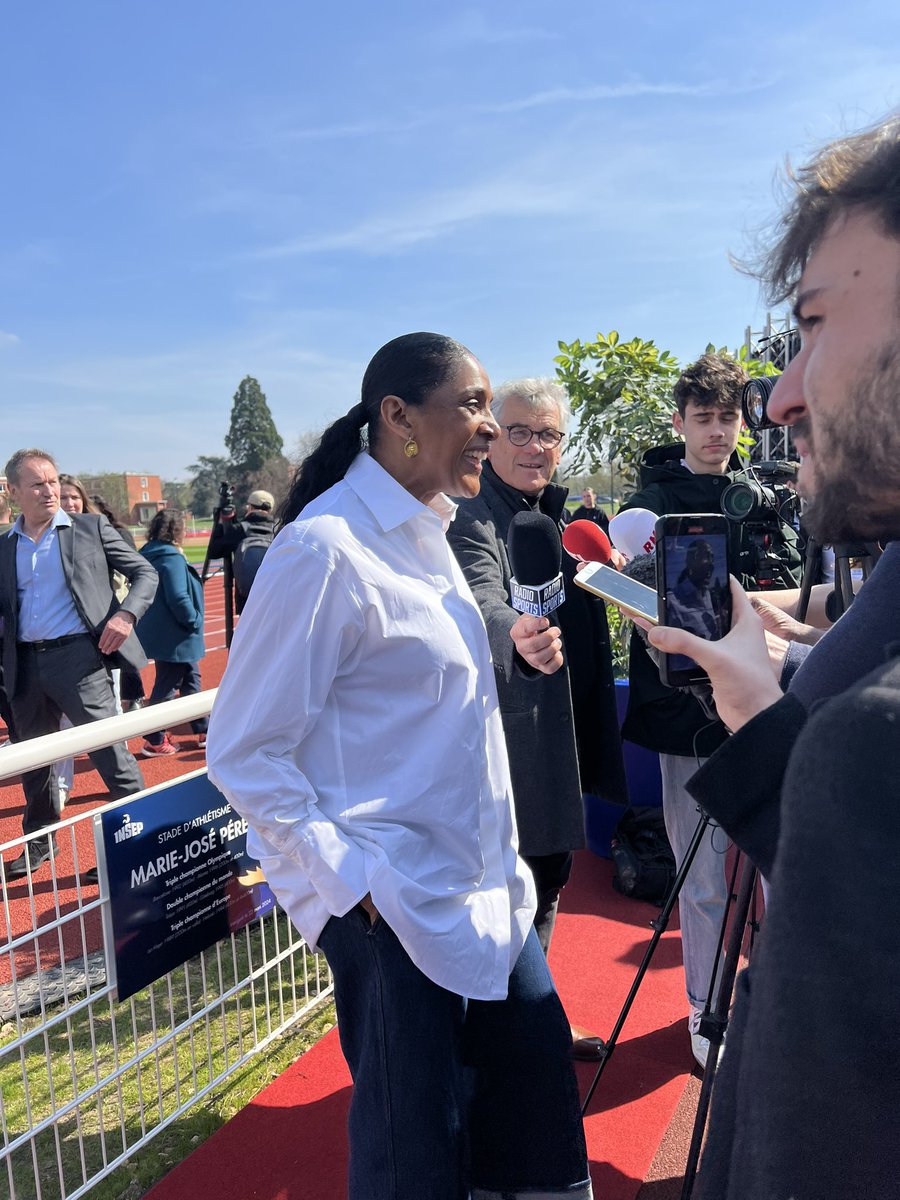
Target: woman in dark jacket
{"x": 171, "y": 630}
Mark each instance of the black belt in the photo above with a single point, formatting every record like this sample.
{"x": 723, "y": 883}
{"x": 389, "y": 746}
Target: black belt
{"x": 52, "y": 643}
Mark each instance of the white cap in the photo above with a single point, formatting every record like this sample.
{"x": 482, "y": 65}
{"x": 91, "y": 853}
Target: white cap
{"x": 633, "y": 532}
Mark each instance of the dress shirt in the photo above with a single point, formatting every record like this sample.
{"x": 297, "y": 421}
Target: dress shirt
{"x": 46, "y": 606}
{"x": 357, "y": 729}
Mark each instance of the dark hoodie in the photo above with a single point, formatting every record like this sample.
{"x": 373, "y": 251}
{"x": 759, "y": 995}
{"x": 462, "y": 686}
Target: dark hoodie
{"x": 666, "y": 719}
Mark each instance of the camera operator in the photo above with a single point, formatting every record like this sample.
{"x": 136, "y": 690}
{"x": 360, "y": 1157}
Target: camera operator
{"x": 246, "y": 540}
{"x": 807, "y": 1099}
{"x": 692, "y": 476}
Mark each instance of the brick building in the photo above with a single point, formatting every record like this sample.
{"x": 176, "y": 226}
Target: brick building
{"x": 136, "y": 498}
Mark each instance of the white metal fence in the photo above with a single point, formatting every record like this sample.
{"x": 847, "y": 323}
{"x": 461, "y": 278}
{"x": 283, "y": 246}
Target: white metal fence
{"x": 86, "y": 1081}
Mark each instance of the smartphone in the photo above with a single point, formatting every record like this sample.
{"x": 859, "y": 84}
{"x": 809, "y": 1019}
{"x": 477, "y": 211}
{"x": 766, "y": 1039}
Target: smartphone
{"x": 636, "y": 599}
{"x": 693, "y": 590}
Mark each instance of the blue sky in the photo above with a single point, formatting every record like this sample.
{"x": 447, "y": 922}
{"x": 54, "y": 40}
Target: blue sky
{"x": 197, "y": 191}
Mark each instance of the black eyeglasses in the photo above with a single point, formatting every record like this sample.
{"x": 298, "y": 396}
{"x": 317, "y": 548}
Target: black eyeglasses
{"x": 521, "y": 435}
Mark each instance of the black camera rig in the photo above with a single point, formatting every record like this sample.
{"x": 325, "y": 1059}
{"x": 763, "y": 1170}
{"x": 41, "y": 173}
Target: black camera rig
{"x": 765, "y": 511}
{"x": 223, "y": 514}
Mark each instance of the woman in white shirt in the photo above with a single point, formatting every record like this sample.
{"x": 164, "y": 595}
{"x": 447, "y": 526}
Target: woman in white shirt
{"x": 357, "y": 730}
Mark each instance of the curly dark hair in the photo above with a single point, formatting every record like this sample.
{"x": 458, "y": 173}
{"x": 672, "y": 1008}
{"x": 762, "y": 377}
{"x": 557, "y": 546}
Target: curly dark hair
{"x": 714, "y": 379}
{"x": 411, "y": 366}
{"x": 861, "y": 172}
{"x": 166, "y": 526}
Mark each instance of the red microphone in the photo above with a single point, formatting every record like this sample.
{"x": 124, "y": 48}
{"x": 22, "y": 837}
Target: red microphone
{"x": 587, "y": 541}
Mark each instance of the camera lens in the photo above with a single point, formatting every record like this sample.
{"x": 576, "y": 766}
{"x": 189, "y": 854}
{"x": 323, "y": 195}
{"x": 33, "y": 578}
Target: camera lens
{"x": 740, "y": 499}
{"x": 755, "y": 402}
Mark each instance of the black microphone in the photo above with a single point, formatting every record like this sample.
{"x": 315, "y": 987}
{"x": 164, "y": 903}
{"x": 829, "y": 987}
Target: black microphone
{"x": 535, "y": 556}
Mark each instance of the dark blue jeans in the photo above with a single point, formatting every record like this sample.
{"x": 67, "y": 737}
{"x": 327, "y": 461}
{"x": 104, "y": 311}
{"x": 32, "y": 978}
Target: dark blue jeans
{"x": 451, "y": 1097}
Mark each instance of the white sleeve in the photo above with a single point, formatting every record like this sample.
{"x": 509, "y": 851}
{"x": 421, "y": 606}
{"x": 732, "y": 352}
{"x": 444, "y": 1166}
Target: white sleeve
{"x": 300, "y": 628}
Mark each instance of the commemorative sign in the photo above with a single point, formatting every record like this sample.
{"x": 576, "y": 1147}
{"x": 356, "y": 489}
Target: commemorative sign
{"x": 174, "y": 861}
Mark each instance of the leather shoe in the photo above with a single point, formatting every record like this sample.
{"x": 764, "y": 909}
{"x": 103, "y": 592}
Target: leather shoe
{"x": 586, "y": 1046}
{"x": 37, "y": 852}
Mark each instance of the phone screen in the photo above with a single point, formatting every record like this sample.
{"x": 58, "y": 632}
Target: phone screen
{"x": 633, "y": 597}
{"x": 695, "y": 583}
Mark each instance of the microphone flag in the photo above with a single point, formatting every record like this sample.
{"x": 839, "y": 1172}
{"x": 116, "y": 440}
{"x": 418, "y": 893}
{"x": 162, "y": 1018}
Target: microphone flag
{"x": 633, "y": 532}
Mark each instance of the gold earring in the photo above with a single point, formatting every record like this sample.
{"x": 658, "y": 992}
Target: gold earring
{"x": 411, "y": 447}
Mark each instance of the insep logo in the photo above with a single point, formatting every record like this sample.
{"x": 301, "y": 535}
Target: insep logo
{"x": 129, "y": 829}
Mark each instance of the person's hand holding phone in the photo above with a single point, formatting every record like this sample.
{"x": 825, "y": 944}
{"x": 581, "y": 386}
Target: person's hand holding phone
{"x": 738, "y": 664}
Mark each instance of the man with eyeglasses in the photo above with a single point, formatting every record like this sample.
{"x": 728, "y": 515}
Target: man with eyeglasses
{"x": 561, "y": 729}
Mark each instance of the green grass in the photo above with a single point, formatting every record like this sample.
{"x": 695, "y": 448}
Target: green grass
{"x": 81, "y": 1052}
{"x": 195, "y": 551}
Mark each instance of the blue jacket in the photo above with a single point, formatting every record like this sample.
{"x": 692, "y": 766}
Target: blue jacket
{"x": 171, "y": 630}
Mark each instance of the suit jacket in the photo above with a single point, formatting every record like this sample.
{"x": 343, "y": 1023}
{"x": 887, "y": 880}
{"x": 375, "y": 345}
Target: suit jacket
{"x": 543, "y": 714}
{"x": 90, "y": 550}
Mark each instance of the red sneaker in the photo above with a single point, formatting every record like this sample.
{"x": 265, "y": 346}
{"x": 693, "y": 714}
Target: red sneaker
{"x": 164, "y": 748}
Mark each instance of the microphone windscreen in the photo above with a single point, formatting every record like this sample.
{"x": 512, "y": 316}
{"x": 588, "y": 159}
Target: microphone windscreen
{"x": 585, "y": 540}
{"x": 534, "y": 548}
{"x": 634, "y": 531}
{"x": 643, "y": 569}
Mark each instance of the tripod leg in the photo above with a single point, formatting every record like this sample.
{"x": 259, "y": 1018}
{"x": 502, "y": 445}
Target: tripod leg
{"x": 658, "y": 925}
{"x": 228, "y": 585}
{"x": 714, "y": 1024}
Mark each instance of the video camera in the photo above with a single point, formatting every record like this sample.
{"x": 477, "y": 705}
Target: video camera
{"x": 225, "y": 510}
{"x": 760, "y": 508}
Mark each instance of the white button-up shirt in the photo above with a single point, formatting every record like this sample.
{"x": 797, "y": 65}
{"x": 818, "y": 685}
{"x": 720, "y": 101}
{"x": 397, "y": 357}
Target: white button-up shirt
{"x": 357, "y": 729}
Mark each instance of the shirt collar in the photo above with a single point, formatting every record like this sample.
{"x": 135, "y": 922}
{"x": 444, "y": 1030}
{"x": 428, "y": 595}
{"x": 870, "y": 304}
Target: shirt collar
{"x": 60, "y": 517}
{"x": 388, "y": 501}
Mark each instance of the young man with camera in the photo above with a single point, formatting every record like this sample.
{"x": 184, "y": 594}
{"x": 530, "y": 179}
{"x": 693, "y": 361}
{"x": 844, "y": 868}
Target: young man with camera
{"x": 691, "y": 476}
{"x": 807, "y": 1098}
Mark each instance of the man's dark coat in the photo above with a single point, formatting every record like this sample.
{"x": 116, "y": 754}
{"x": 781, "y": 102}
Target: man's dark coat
{"x": 806, "y": 1101}
{"x": 537, "y": 709}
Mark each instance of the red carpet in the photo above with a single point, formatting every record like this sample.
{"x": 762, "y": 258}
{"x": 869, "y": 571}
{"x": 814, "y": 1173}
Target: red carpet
{"x": 290, "y": 1142}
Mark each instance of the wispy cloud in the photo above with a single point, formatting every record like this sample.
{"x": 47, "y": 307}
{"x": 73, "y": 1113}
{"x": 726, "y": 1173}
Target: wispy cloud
{"x": 633, "y": 89}
{"x": 433, "y": 217}
{"x": 470, "y": 27}
{"x": 187, "y": 389}
{"x": 626, "y": 91}
{"x": 9, "y": 339}
{"x": 27, "y": 258}
{"x": 357, "y": 129}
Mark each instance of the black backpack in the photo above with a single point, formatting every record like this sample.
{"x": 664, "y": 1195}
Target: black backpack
{"x": 642, "y": 856}
{"x": 247, "y": 555}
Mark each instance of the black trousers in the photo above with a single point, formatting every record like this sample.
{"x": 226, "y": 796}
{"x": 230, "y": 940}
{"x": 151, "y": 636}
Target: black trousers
{"x": 176, "y": 678}
{"x": 71, "y": 679}
{"x": 551, "y": 874}
{"x": 5, "y": 708}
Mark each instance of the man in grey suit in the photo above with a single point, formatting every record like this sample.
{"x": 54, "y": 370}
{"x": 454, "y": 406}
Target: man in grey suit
{"x": 62, "y": 629}
{"x": 559, "y": 715}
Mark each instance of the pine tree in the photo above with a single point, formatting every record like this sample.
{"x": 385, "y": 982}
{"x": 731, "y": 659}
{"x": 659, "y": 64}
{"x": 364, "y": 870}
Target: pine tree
{"x": 252, "y": 438}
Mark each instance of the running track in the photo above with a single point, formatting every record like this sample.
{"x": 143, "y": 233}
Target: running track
{"x": 89, "y": 793}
